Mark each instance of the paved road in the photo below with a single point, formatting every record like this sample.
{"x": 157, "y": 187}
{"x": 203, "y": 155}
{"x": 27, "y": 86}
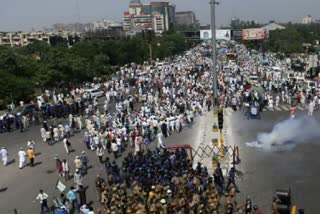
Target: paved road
{"x": 263, "y": 172}
{"x": 22, "y": 186}
{"x": 266, "y": 171}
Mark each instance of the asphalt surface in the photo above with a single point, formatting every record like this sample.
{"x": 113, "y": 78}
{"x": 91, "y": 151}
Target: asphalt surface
{"x": 19, "y": 188}
{"x": 260, "y": 172}
{"x": 263, "y": 171}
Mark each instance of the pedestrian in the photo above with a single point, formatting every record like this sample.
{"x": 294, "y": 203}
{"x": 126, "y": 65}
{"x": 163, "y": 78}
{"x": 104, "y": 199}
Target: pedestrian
{"x": 65, "y": 169}
{"x": 61, "y": 210}
{"x": 4, "y": 156}
{"x": 61, "y": 130}
{"x": 231, "y": 180}
{"x": 79, "y": 122}
{"x": 78, "y": 179}
{"x": 48, "y": 137}
{"x": 84, "y": 209}
{"x": 31, "y": 156}
{"x": 86, "y": 140}
{"x": 72, "y": 196}
{"x": 67, "y": 130}
{"x": 218, "y": 178}
{"x": 67, "y": 144}
{"x": 292, "y": 112}
{"x": 270, "y": 104}
{"x": 43, "y": 198}
{"x": 311, "y": 108}
{"x": 43, "y": 134}
{"x": 82, "y": 195}
{"x": 100, "y": 153}
{"x": 277, "y": 100}
{"x": 90, "y": 210}
{"x": 159, "y": 139}
{"x": 77, "y": 163}
{"x": 31, "y": 144}
{"x": 84, "y": 162}
{"x": 119, "y": 143}
{"x": 59, "y": 166}
{"x": 22, "y": 158}
{"x": 107, "y": 166}
{"x": 114, "y": 148}
{"x": 248, "y": 206}
{"x": 137, "y": 145}
{"x": 56, "y": 136}
{"x": 274, "y": 206}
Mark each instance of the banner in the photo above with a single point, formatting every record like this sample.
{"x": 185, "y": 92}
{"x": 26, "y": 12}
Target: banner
{"x": 236, "y": 35}
{"x": 223, "y": 35}
{"x": 60, "y": 186}
{"x": 205, "y": 34}
{"x": 220, "y": 34}
{"x": 255, "y": 34}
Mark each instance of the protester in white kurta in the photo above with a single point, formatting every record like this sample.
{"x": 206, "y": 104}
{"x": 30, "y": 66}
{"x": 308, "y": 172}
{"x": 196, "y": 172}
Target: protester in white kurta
{"x": 22, "y": 158}
{"x": 4, "y": 155}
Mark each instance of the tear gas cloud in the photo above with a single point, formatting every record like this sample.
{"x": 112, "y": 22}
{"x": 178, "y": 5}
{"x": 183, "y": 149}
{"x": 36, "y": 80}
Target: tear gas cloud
{"x": 288, "y": 133}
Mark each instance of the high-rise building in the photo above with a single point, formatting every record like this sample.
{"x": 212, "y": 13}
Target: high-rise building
{"x": 158, "y": 16}
{"x": 186, "y": 18}
{"x": 135, "y": 1}
{"x": 307, "y": 20}
{"x": 235, "y": 23}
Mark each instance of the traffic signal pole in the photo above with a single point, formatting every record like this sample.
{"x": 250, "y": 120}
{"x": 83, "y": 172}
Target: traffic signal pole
{"x": 213, "y": 3}
{"x": 219, "y": 135}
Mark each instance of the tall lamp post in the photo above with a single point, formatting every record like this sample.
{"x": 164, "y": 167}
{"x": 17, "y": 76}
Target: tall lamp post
{"x": 213, "y": 3}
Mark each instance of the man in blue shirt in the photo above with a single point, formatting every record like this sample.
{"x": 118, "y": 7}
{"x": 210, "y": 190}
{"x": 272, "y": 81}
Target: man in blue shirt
{"x": 61, "y": 210}
{"x": 84, "y": 209}
{"x": 72, "y": 196}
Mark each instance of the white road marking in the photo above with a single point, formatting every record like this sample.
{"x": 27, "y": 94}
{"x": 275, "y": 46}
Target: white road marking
{"x": 277, "y": 108}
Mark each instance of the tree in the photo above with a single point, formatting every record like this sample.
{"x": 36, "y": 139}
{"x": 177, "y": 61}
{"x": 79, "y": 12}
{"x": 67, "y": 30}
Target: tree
{"x": 24, "y": 70}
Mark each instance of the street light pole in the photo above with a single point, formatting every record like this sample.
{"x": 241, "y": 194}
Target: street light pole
{"x": 214, "y": 52}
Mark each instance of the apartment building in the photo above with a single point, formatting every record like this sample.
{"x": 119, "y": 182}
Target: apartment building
{"x": 13, "y": 39}
{"x": 158, "y": 16}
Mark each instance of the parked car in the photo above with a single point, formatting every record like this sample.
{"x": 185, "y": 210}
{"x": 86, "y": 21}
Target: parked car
{"x": 309, "y": 86}
{"x": 3, "y": 114}
{"x": 24, "y": 110}
{"x": 94, "y": 93}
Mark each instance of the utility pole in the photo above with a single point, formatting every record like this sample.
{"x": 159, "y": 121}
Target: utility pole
{"x": 214, "y": 56}
{"x": 150, "y": 53}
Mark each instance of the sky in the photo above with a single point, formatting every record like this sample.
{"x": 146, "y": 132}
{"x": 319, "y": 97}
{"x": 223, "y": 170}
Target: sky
{"x": 25, "y": 15}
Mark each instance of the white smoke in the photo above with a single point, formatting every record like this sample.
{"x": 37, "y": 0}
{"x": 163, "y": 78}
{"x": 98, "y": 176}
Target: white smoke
{"x": 288, "y": 133}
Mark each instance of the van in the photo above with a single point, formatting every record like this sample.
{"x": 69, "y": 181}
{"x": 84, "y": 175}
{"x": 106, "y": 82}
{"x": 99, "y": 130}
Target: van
{"x": 94, "y": 92}
{"x": 254, "y": 80}
{"x": 309, "y": 86}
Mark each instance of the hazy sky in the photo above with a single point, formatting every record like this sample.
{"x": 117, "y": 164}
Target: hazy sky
{"x": 28, "y": 14}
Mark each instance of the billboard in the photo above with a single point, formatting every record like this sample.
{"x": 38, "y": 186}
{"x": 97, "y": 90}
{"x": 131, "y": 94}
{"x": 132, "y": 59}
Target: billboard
{"x": 255, "y": 34}
{"x": 223, "y": 34}
{"x": 205, "y": 34}
{"x": 220, "y": 34}
{"x": 236, "y": 34}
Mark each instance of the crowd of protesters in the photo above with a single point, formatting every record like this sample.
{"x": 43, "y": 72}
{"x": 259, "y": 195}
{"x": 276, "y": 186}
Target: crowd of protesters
{"x": 162, "y": 182}
{"x": 145, "y": 104}
{"x": 261, "y": 80}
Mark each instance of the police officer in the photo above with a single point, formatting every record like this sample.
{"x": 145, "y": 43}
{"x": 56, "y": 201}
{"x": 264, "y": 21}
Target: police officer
{"x": 231, "y": 180}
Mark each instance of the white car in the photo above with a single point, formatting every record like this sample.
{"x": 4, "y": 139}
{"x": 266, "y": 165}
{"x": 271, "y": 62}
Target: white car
{"x": 254, "y": 80}
{"x": 94, "y": 93}
{"x": 309, "y": 86}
